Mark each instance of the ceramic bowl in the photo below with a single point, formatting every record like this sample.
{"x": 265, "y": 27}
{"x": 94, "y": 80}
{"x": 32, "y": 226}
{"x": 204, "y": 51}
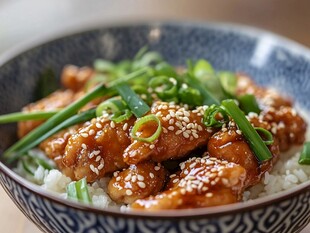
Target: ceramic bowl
{"x": 269, "y": 59}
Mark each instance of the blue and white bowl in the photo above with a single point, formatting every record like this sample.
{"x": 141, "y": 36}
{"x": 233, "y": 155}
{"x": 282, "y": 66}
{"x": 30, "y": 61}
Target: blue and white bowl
{"x": 269, "y": 59}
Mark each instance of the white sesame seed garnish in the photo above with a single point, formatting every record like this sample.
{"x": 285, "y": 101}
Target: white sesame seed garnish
{"x": 134, "y": 178}
{"x": 209, "y": 194}
{"x": 175, "y": 180}
{"x": 100, "y": 166}
{"x": 84, "y": 135}
{"x": 98, "y": 158}
{"x": 125, "y": 126}
{"x": 141, "y": 184}
{"x": 185, "y": 134}
{"x": 84, "y": 146}
{"x": 238, "y": 131}
{"x": 171, "y": 121}
{"x": 91, "y": 132}
{"x": 156, "y": 168}
{"x": 112, "y": 124}
{"x": 171, "y": 128}
{"x": 151, "y": 175}
{"x": 96, "y": 152}
{"x": 98, "y": 125}
{"x": 128, "y": 192}
{"x": 118, "y": 178}
{"x": 92, "y": 167}
{"x": 140, "y": 178}
{"x": 152, "y": 146}
{"x": 128, "y": 177}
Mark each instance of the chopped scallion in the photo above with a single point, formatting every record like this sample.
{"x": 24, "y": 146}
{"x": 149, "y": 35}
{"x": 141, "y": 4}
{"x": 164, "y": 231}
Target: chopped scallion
{"x": 142, "y": 121}
{"x": 305, "y": 154}
{"x": 265, "y": 135}
{"x": 138, "y": 107}
{"x": 259, "y": 148}
{"x": 78, "y": 190}
{"x": 215, "y": 116}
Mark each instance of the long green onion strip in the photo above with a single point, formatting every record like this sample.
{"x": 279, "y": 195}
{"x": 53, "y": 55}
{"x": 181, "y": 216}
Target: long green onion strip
{"x": 25, "y": 116}
{"x": 215, "y": 116}
{"x": 142, "y": 121}
{"x": 65, "y": 113}
{"x": 248, "y": 104}
{"x": 265, "y": 135}
{"x": 76, "y": 119}
{"x": 305, "y": 154}
{"x": 138, "y": 107}
{"x": 78, "y": 190}
{"x": 258, "y": 146}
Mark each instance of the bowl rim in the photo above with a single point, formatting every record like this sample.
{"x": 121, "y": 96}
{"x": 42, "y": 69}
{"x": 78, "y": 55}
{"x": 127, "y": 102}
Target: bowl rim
{"x": 242, "y": 30}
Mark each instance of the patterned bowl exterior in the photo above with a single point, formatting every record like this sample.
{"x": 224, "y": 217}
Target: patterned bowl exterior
{"x": 269, "y": 59}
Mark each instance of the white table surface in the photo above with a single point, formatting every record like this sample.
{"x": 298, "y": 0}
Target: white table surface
{"x": 23, "y": 20}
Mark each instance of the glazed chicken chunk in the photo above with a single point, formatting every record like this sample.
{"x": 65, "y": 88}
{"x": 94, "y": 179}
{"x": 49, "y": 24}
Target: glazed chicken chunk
{"x": 202, "y": 182}
{"x": 97, "y": 149}
{"x": 136, "y": 182}
{"x": 182, "y": 132}
{"x": 229, "y": 144}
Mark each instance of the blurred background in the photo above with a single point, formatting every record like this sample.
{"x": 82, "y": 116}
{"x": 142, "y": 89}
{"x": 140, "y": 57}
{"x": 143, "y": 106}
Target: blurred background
{"x": 24, "y": 20}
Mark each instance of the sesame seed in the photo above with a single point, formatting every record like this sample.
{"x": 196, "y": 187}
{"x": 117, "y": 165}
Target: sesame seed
{"x": 128, "y": 192}
{"x": 140, "y": 178}
{"x": 185, "y": 134}
{"x": 199, "y": 128}
{"x": 100, "y": 166}
{"x": 151, "y": 175}
{"x": 91, "y": 132}
{"x": 98, "y": 158}
{"x": 175, "y": 180}
{"x": 171, "y": 121}
{"x": 115, "y": 174}
{"x": 96, "y": 152}
{"x": 92, "y": 167}
{"x": 156, "y": 168}
{"x": 84, "y": 146}
{"x": 195, "y": 135}
{"x": 165, "y": 130}
{"x": 209, "y": 194}
{"x": 171, "y": 128}
{"x": 112, "y": 124}
{"x": 128, "y": 177}
{"x": 125, "y": 126}
{"x": 84, "y": 135}
{"x": 141, "y": 184}
{"x": 133, "y": 178}
{"x": 98, "y": 125}
{"x": 152, "y": 146}
{"x": 118, "y": 178}
{"x": 239, "y": 132}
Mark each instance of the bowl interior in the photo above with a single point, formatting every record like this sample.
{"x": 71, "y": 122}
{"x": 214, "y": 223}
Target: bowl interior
{"x": 269, "y": 59}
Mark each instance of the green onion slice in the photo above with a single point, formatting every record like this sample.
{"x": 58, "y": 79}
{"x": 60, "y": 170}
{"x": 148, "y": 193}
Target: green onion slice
{"x": 138, "y": 107}
{"x": 265, "y": 135}
{"x": 25, "y": 116}
{"x": 78, "y": 190}
{"x": 111, "y": 106}
{"x": 165, "y": 87}
{"x": 189, "y": 95}
{"x": 258, "y": 146}
{"x": 121, "y": 116}
{"x": 215, "y": 116}
{"x": 248, "y": 104}
{"x": 305, "y": 154}
{"x": 142, "y": 121}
